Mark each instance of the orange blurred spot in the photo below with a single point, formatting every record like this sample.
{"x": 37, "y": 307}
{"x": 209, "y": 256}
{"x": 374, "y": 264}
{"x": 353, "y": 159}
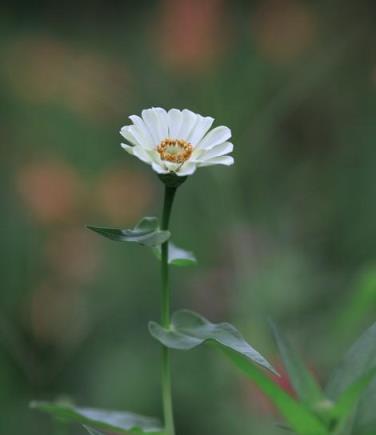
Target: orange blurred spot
{"x": 190, "y": 34}
{"x": 283, "y": 29}
{"x": 50, "y": 189}
{"x": 123, "y": 196}
{"x": 42, "y": 69}
{"x": 73, "y": 255}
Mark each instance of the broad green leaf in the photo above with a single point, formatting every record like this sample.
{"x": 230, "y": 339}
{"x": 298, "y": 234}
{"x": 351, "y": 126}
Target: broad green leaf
{"x": 360, "y": 303}
{"x": 365, "y": 417}
{"x": 299, "y": 418}
{"x": 357, "y": 363}
{"x": 303, "y": 382}
{"x": 146, "y": 233}
{"x": 177, "y": 256}
{"x": 360, "y": 358}
{"x": 344, "y": 407}
{"x": 189, "y": 330}
{"x": 116, "y": 421}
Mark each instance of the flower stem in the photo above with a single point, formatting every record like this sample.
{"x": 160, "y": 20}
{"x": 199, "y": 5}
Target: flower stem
{"x": 165, "y": 315}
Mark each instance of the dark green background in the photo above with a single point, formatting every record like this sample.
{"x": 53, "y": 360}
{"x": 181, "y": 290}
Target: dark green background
{"x": 288, "y": 232}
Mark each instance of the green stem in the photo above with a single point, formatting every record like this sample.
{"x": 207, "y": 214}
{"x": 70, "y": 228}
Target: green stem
{"x": 165, "y": 316}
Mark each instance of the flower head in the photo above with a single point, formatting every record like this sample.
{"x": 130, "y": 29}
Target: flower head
{"x": 177, "y": 141}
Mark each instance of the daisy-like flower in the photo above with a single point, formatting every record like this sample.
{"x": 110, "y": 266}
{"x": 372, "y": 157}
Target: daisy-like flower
{"x": 177, "y": 141}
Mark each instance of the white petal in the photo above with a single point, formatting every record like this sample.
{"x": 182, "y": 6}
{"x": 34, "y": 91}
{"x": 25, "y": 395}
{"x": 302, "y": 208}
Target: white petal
{"x": 124, "y": 131}
{"x": 224, "y": 160}
{"x": 152, "y": 121}
{"x": 188, "y": 122}
{"x": 175, "y": 118}
{"x": 200, "y": 128}
{"x": 146, "y": 132}
{"x": 156, "y": 158}
{"x": 217, "y": 151}
{"x": 163, "y": 122}
{"x": 187, "y": 169}
{"x": 138, "y": 152}
{"x": 128, "y": 148}
{"x": 142, "y": 128}
{"x": 142, "y": 154}
{"x": 215, "y": 137}
{"x": 142, "y": 140}
{"x": 158, "y": 168}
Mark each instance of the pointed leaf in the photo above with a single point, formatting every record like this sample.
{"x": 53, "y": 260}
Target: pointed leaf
{"x": 92, "y": 431}
{"x": 348, "y": 399}
{"x": 117, "y": 421}
{"x": 189, "y": 330}
{"x": 299, "y": 418}
{"x": 177, "y": 256}
{"x": 146, "y": 233}
{"x": 358, "y": 362}
{"x": 360, "y": 358}
{"x": 303, "y": 382}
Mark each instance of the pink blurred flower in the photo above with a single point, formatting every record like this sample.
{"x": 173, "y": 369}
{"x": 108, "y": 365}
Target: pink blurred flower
{"x": 123, "y": 195}
{"x": 43, "y": 69}
{"x": 73, "y": 256}
{"x": 190, "y": 33}
{"x": 51, "y": 189}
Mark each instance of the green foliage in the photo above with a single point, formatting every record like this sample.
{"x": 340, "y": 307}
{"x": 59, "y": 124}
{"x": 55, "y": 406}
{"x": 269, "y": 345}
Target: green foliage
{"x": 118, "y": 421}
{"x": 352, "y": 376}
{"x": 303, "y": 382}
{"x": 177, "y": 256}
{"x": 345, "y": 389}
{"x": 146, "y": 233}
{"x": 362, "y": 299}
{"x": 189, "y": 330}
{"x": 314, "y": 414}
{"x": 92, "y": 431}
{"x": 345, "y": 405}
{"x": 301, "y": 420}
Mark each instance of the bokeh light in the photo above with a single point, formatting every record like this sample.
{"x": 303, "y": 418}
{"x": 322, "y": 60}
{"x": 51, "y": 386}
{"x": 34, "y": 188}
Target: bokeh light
{"x": 286, "y": 233}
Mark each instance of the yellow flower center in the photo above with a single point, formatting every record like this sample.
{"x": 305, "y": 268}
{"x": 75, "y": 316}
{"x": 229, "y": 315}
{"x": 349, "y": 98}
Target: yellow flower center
{"x": 174, "y": 150}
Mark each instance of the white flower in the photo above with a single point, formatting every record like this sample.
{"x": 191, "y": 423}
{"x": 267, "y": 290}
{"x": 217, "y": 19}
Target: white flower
{"x": 177, "y": 141}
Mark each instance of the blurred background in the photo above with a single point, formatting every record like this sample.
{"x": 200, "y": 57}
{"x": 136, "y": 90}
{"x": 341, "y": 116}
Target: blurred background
{"x": 288, "y": 232}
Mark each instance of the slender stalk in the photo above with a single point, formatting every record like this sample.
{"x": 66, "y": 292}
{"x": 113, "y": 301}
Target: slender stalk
{"x": 165, "y": 315}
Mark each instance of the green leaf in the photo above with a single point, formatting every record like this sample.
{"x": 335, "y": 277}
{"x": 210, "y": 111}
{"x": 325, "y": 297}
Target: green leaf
{"x": 360, "y": 358}
{"x": 188, "y": 330}
{"x": 359, "y": 304}
{"x": 117, "y": 421}
{"x": 92, "y": 431}
{"x": 346, "y": 402}
{"x": 303, "y": 382}
{"x": 177, "y": 256}
{"x": 146, "y": 233}
{"x": 358, "y": 362}
{"x": 299, "y": 418}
